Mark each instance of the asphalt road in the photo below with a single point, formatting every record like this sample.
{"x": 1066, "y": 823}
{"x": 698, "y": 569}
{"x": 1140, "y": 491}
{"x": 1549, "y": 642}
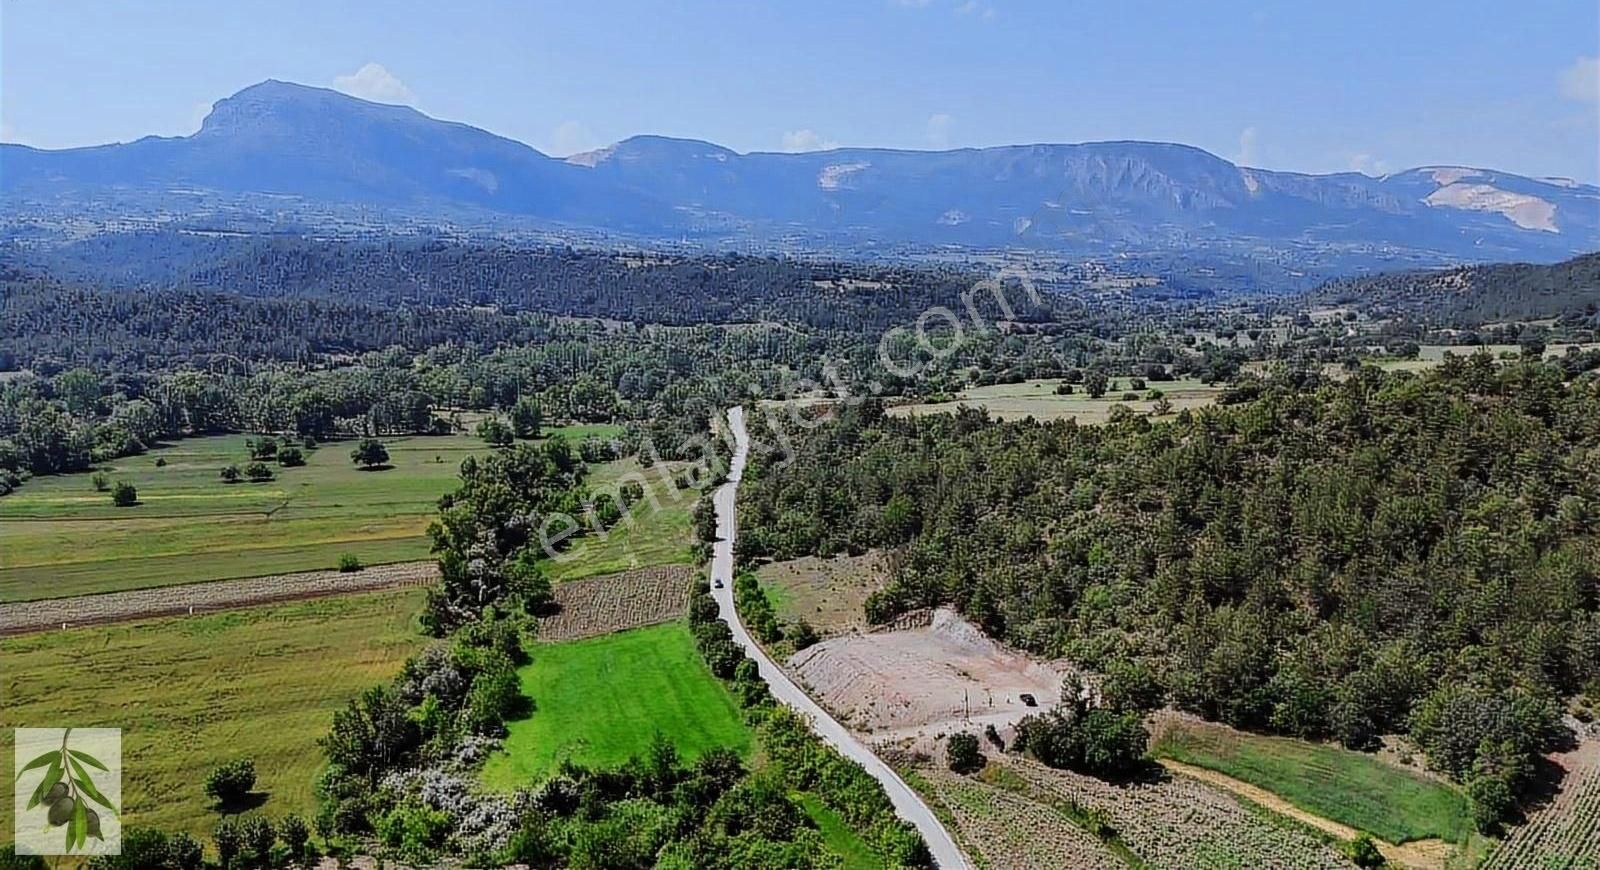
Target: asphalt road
{"x": 906, "y": 802}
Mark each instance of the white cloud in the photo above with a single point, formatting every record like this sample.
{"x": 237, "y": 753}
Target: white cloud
{"x": 572, "y": 137}
{"x": 1247, "y": 147}
{"x": 973, "y": 7}
{"x": 1366, "y": 164}
{"x": 1581, "y": 81}
{"x": 807, "y": 140}
{"x": 373, "y": 82}
{"x": 939, "y": 130}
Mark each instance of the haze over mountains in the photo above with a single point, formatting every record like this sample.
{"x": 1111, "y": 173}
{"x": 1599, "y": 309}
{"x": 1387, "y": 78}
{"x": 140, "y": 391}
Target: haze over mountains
{"x": 297, "y": 150}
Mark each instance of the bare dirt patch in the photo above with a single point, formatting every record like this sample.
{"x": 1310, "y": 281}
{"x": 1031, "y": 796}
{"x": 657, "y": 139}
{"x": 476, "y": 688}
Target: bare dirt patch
{"x": 828, "y": 593}
{"x": 615, "y": 602}
{"x": 29, "y": 616}
{"x": 916, "y": 684}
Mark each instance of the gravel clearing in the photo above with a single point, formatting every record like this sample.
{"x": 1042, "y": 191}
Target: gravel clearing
{"x": 24, "y": 617}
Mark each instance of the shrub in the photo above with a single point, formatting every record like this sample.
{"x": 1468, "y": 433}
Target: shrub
{"x": 229, "y": 783}
{"x": 291, "y": 457}
{"x": 101, "y": 481}
{"x": 258, "y": 472}
{"x": 231, "y": 474}
{"x": 258, "y": 837}
{"x": 370, "y": 453}
{"x": 1363, "y": 852}
{"x": 124, "y": 494}
{"x": 349, "y": 563}
{"x": 296, "y": 835}
{"x": 161, "y": 462}
{"x": 803, "y": 634}
{"x": 229, "y": 839}
{"x": 961, "y": 753}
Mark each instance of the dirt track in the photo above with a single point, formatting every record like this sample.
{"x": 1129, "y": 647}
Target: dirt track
{"x": 24, "y": 617}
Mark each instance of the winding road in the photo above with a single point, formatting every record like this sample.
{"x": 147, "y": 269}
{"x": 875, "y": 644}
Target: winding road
{"x": 906, "y": 802}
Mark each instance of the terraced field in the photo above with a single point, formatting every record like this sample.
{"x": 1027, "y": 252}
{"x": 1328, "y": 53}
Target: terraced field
{"x": 1565, "y": 835}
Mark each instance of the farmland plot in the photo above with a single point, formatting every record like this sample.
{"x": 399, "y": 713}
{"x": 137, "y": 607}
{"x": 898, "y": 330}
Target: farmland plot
{"x": 1009, "y": 831}
{"x": 615, "y": 602}
{"x": 1566, "y": 834}
{"x": 1177, "y": 822}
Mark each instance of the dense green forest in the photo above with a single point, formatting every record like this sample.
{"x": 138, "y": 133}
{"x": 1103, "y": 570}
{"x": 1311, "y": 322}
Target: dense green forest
{"x": 1471, "y": 296}
{"x": 1390, "y": 552}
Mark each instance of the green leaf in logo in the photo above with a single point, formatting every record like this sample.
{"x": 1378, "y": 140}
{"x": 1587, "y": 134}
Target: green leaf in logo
{"x": 51, "y": 777}
{"x": 88, "y": 759}
{"x": 86, "y": 785}
{"x": 80, "y": 826}
{"x": 51, "y": 757}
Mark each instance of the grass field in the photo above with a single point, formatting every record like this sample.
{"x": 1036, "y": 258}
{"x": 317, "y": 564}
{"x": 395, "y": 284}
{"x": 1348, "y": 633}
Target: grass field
{"x": 1037, "y": 399}
{"x": 658, "y": 531}
{"x": 192, "y": 692}
{"x": 1353, "y": 788}
{"x": 854, "y": 853}
{"x": 189, "y": 526}
{"x": 601, "y": 700}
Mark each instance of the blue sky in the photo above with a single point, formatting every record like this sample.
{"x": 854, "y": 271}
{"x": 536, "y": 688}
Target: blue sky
{"x": 1307, "y": 86}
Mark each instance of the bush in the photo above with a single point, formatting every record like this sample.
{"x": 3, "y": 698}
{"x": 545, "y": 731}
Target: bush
{"x": 370, "y": 453}
{"x": 961, "y": 753}
{"x": 231, "y": 474}
{"x": 229, "y": 839}
{"x": 258, "y": 837}
{"x": 803, "y": 634}
{"x": 230, "y": 783}
{"x": 349, "y": 563}
{"x": 161, "y": 462}
{"x": 258, "y": 472}
{"x": 296, "y": 835}
{"x": 101, "y": 481}
{"x": 1363, "y": 852}
{"x": 291, "y": 457}
{"x": 124, "y": 494}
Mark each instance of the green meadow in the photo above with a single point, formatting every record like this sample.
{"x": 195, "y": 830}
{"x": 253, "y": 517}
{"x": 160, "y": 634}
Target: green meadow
{"x": 190, "y": 693}
{"x": 601, "y": 700}
{"x": 60, "y": 537}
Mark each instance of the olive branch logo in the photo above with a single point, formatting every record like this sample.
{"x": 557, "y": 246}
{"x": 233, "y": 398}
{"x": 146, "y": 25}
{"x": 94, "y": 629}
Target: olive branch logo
{"x": 66, "y": 792}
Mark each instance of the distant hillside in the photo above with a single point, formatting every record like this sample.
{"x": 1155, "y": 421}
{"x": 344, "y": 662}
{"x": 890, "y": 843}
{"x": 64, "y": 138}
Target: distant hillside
{"x": 1474, "y": 295}
{"x": 279, "y": 152}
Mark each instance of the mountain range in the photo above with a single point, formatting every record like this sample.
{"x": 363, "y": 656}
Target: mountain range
{"x": 287, "y": 149}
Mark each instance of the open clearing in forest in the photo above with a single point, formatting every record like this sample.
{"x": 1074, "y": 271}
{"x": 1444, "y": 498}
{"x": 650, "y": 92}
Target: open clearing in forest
{"x": 192, "y": 692}
{"x": 917, "y": 683}
{"x": 659, "y": 530}
{"x": 59, "y": 537}
{"x": 1038, "y": 399}
{"x": 1353, "y": 788}
{"x": 828, "y": 593}
{"x": 601, "y": 700}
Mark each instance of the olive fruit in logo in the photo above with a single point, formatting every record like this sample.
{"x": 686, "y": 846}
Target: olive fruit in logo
{"x": 61, "y": 810}
{"x": 56, "y": 792}
{"x": 93, "y": 820}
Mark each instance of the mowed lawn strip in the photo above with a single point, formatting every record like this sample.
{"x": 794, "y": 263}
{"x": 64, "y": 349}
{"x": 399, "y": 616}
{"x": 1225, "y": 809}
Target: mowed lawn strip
{"x": 1353, "y": 788}
{"x": 601, "y": 700}
{"x": 190, "y": 693}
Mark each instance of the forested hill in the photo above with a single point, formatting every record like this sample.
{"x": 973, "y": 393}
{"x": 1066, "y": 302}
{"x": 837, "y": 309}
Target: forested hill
{"x": 1392, "y": 552}
{"x": 1474, "y": 295}
{"x": 637, "y": 288}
